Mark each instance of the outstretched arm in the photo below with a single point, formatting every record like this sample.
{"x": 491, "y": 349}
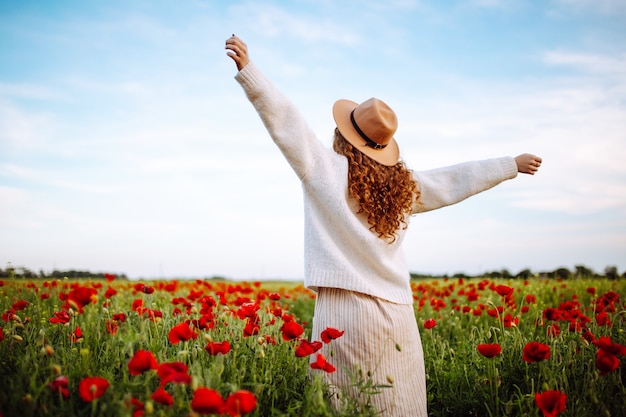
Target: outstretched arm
{"x": 527, "y": 163}
{"x": 238, "y": 51}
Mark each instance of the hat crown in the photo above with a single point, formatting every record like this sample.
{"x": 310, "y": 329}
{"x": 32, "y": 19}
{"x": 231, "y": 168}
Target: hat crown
{"x": 376, "y": 120}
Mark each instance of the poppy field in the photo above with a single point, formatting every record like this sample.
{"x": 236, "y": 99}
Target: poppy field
{"x": 113, "y": 347}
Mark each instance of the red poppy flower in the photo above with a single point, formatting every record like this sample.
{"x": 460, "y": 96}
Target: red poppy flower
{"x": 167, "y": 368}
{"x": 60, "y": 384}
{"x": 291, "y": 330}
{"x": 551, "y": 403}
{"x": 240, "y": 402}
{"x": 218, "y": 347}
{"x": 1, "y": 335}
{"x": 429, "y": 324}
{"x": 510, "y": 321}
{"x": 110, "y": 292}
{"x": 248, "y": 310}
{"x": 137, "y": 304}
{"x": 504, "y": 290}
{"x": 20, "y": 305}
{"x": 531, "y": 299}
{"x": 489, "y": 350}
{"x": 162, "y": 397}
{"x": 603, "y": 319}
{"x": 60, "y": 317}
{"x": 331, "y": 334}
{"x": 137, "y": 406}
{"x": 141, "y": 287}
{"x": 119, "y": 317}
{"x": 535, "y": 352}
{"x": 79, "y": 297}
{"x": 606, "y": 362}
{"x": 306, "y": 348}
{"x": 606, "y": 344}
{"x": 141, "y": 362}
{"x": 252, "y": 328}
{"x": 76, "y": 334}
{"x": 91, "y": 388}
{"x": 207, "y": 401}
{"x": 321, "y": 363}
{"x": 181, "y": 332}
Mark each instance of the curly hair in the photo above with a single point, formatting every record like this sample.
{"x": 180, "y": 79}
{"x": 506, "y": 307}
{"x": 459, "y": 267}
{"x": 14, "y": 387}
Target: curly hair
{"x": 385, "y": 194}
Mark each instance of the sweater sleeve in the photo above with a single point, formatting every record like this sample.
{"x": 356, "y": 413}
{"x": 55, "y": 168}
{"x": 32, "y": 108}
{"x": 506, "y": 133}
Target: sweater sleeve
{"x": 282, "y": 120}
{"x": 445, "y": 186}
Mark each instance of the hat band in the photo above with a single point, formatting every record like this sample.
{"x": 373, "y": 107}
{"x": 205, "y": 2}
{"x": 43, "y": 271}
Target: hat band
{"x": 367, "y": 140}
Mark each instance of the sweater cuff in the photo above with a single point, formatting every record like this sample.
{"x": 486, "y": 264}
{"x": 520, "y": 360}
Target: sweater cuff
{"x": 249, "y": 76}
{"x": 510, "y": 167}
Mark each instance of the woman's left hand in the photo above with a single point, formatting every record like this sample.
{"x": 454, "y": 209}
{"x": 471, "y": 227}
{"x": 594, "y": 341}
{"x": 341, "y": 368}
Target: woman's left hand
{"x": 527, "y": 163}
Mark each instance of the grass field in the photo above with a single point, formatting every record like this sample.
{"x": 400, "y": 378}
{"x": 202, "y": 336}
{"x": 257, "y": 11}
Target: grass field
{"x": 176, "y": 348}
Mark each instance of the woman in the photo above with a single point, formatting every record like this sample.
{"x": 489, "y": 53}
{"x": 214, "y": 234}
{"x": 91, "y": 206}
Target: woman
{"x": 358, "y": 200}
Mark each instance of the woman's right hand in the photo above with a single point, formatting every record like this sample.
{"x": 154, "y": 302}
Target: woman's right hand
{"x": 238, "y": 51}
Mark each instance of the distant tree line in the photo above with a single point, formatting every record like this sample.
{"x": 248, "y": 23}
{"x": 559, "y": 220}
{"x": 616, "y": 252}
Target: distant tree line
{"x": 21, "y": 272}
{"x": 579, "y": 271}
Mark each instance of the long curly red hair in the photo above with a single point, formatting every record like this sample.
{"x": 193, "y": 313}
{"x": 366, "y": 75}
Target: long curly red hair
{"x": 385, "y": 194}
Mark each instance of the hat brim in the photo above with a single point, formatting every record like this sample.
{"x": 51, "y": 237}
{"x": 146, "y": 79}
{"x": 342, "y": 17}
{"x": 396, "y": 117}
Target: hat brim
{"x": 389, "y": 155}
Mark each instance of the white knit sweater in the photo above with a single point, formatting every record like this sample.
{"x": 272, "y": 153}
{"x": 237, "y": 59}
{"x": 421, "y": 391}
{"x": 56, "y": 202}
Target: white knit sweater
{"x": 340, "y": 249}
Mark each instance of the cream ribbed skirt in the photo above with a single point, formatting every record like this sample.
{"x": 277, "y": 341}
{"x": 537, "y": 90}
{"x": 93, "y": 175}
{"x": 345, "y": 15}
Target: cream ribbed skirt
{"x": 381, "y": 342}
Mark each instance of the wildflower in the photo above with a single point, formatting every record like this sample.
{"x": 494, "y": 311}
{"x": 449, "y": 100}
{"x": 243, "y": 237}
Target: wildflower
{"x": 207, "y": 401}
{"x": 504, "y": 290}
{"x": 306, "y": 348}
{"x": 331, "y": 334}
{"x": 181, "y": 332}
{"x": 606, "y": 362}
{"x": 535, "y": 352}
{"x": 606, "y": 344}
{"x": 510, "y": 321}
{"x": 141, "y": 362}
{"x": 91, "y": 388}
{"x": 603, "y": 319}
{"x": 240, "y": 402}
{"x": 137, "y": 406}
{"x": 551, "y": 403}
{"x": 218, "y": 347}
{"x": 291, "y": 330}
{"x": 60, "y": 317}
{"x": 162, "y": 397}
{"x": 110, "y": 292}
{"x": 76, "y": 335}
{"x": 321, "y": 363}
{"x": 489, "y": 350}
{"x": 251, "y": 328}
{"x": 141, "y": 287}
{"x": 429, "y": 324}
{"x": 173, "y": 372}
{"x": 20, "y": 305}
{"x": 79, "y": 297}
{"x": 59, "y": 385}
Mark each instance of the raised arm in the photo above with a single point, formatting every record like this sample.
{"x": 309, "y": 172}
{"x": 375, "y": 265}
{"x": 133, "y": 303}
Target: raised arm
{"x": 280, "y": 116}
{"x": 446, "y": 186}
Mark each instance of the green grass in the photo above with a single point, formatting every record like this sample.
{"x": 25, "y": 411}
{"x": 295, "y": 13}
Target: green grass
{"x": 461, "y": 382}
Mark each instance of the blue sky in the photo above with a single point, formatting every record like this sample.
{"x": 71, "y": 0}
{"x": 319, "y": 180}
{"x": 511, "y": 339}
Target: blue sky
{"x": 127, "y": 147}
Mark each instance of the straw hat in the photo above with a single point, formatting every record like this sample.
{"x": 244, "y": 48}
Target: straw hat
{"x": 369, "y": 127}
